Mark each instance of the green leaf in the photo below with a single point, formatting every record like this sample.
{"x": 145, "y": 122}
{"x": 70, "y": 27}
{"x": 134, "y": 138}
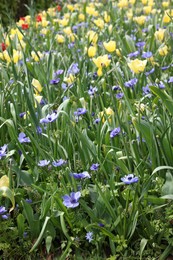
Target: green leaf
{"x": 167, "y": 188}
{"x": 143, "y": 244}
{"x": 40, "y": 235}
{"x": 48, "y": 243}
{"x": 6, "y": 192}
{"x": 166, "y": 99}
{"x": 21, "y": 224}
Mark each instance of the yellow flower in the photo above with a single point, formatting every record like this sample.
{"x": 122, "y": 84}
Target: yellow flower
{"x": 99, "y": 72}
{"x": 140, "y": 19}
{"x": 44, "y": 31}
{"x": 137, "y": 65}
{"x": 63, "y": 22}
{"x": 38, "y": 99}
{"x": 166, "y": 18}
{"x": 102, "y": 61}
{"x": 92, "y": 51}
{"x": 118, "y": 52}
{"x": 163, "y": 51}
{"x": 67, "y": 30}
{"x": 70, "y": 79}
{"x": 4, "y": 181}
{"x": 122, "y": 4}
{"x": 92, "y": 36}
{"x": 159, "y": 35}
{"x": 165, "y": 4}
{"x": 91, "y": 11}
{"x": 70, "y": 7}
{"x": 144, "y": 2}
{"x": 110, "y": 46}
{"x": 6, "y": 56}
{"x": 107, "y": 113}
{"x": 147, "y": 9}
{"x": 37, "y": 86}
{"x": 81, "y": 17}
{"x": 17, "y": 55}
{"x": 36, "y": 56}
{"x": 60, "y": 38}
{"x": 106, "y": 17}
{"x": 132, "y": 2}
{"x": 99, "y": 23}
{"x": 16, "y": 32}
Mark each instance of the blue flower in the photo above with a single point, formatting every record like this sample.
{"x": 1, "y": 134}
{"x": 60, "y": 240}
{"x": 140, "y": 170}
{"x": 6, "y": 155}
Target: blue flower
{"x": 89, "y": 236}
{"x": 131, "y": 83}
{"x": 59, "y": 162}
{"x": 96, "y": 121}
{"x": 149, "y": 72}
{"x": 147, "y": 54}
{"x": 54, "y": 81}
{"x": 94, "y": 167}
{"x": 115, "y": 132}
{"x": 71, "y": 201}
{"x": 146, "y": 90}
{"x": 2, "y": 213}
{"x": 170, "y": 79}
{"x": 80, "y": 111}
{"x": 58, "y": 72}
{"x": 119, "y": 95}
{"x": 92, "y": 91}
{"x": 49, "y": 118}
{"x": 129, "y": 179}
{"x": 23, "y": 139}
{"x": 73, "y": 69}
{"x": 115, "y": 88}
{"x": 81, "y": 175}
{"x": 140, "y": 44}
{"x": 43, "y": 163}
{"x": 133, "y": 54}
{"x": 22, "y": 114}
{"x": 3, "y": 151}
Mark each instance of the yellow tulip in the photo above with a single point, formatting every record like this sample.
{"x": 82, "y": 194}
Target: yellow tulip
{"x": 163, "y": 51}
{"x": 37, "y": 86}
{"x": 107, "y": 113}
{"x": 99, "y": 23}
{"x": 102, "y": 61}
{"x": 4, "y": 181}
{"x": 60, "y": 38}
{"x": 17, "y": 55}
{"x": 92, "y": 51}
{"x": 140, "y": 19}
{"x": 137, "y": 65}
{"x": 166, "y": 18}
{"x": 122, "y": 4}
{"x": 159, "y": 35}
{"x": 110, "y": 46}
{"x": 92, "y": 36}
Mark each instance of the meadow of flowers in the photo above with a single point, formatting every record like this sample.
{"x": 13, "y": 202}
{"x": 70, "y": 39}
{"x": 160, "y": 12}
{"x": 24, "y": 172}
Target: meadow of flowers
{"x": 86, "y": 132}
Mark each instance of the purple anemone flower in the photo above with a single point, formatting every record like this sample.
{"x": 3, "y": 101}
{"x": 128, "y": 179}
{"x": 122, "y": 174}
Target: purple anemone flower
{"x": 73, "y": 69}
{"x": 94, "y": 167}
{"x": 80, "y": 111}
{"x": 2, "y": 213}
{"x": 3, "y": 151}
{"x": 92, "y": 91}
{"x": 147, "y": 54}
{"x": 59, "y": 162}
{"x": 43, "y": 163}
{"x": 71, "y": 201}
{"x": 133, "y": 54}
{"x": 129, "y": 179}
{"x": 119, "y": 95}
{"x": 170, "y": 80}
{"x": 81, "y": 175}
{"x": 131, "y": 83}
{"x": 96, "y": 121}
{"x": 54, "y": 81}
{"x": 49, "y": 118}
{"x": 115, "y": 132}
{"x": 23, "y": 139}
